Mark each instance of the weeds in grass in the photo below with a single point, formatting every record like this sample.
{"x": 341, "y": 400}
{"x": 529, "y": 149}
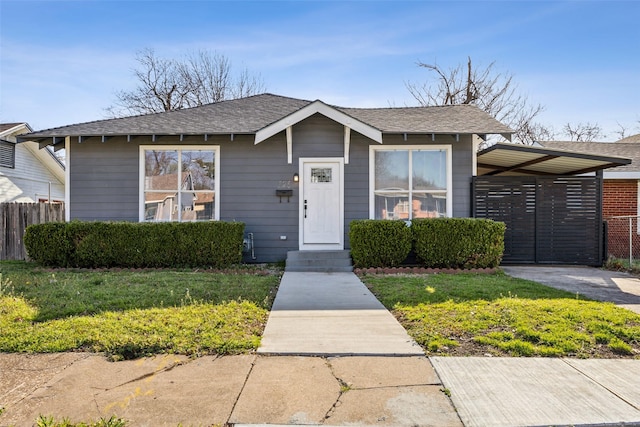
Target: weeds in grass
{"x": 620, "y": 347}
{"x": 6, "y": 286}
{"x": 47, "y": 421}
{"x": 622, "y": 264}
{"x": 475, "y": 314}
{"x": 129, "y": 314}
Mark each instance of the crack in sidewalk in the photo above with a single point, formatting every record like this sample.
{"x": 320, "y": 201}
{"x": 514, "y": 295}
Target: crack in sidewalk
{"x": 151, "y": 374}
{"x": 344, "y": 387}
{"x": 581, "y": 372}
{"x": 244, "y": 384}
{"x": 62, "y": 367}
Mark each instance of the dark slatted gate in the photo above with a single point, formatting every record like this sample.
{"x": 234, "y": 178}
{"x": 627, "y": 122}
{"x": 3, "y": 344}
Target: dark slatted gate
{"x": 549, "y": 220}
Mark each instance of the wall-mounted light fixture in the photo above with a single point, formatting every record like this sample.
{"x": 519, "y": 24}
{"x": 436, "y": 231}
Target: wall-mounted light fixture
{"x": 296, "y": 177}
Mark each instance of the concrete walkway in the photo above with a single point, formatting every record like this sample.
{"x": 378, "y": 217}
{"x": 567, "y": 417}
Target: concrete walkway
{"x": 332, "y": 314}
{"x": 346, "y": 377}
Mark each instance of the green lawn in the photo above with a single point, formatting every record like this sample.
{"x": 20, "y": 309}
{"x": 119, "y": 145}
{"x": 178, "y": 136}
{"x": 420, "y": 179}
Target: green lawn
{"x": 128, "y": 314}
{"x": 467, "y": 314}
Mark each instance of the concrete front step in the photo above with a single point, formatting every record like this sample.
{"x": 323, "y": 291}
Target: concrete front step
{"x": 319, "y": 261}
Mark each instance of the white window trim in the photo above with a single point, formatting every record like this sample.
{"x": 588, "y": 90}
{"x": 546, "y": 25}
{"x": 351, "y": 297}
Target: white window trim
{"x": 372, "y": 167}
{"x": 67, "y": 179}
{"x": 214, "y": 148}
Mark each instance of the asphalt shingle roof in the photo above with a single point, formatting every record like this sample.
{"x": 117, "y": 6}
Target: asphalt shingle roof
{"x": 631, "y": 138}
{"x": 249, "y": 115}
{"x": 6, "y": 126}
{"x": 629, "y": 150}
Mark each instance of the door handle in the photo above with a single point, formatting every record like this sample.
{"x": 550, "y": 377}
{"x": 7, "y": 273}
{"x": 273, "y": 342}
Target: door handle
{"x": 305, "y": 208}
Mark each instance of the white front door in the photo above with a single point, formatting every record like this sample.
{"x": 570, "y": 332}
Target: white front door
{"x": 321, "y": 204}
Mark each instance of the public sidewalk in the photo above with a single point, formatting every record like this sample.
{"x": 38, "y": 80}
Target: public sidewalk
{"x": 344, "y": 383}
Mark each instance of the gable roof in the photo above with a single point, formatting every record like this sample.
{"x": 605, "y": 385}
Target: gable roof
{"x": 13, "y": 132}
{"x": 327, "y": 111}
{"x": 4, "y": 127}
{"x": 630, "y": 150}
{"x": 255, "y": 113}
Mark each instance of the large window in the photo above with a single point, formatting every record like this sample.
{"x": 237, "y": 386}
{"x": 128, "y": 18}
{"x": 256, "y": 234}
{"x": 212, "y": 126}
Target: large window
{"x": 410, "y": 182}
{"x": 179, "y": 184}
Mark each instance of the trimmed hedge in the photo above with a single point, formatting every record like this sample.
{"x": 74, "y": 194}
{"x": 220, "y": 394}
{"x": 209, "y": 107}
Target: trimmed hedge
{"x": 379, "y": 243}
{"x": 135, "y": 245}
{"x": 468, "y": 243}
{"x": 458, "y": 242}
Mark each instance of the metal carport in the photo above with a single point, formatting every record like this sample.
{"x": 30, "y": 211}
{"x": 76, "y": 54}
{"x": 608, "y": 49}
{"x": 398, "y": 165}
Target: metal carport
{"x": 550, "y": 200}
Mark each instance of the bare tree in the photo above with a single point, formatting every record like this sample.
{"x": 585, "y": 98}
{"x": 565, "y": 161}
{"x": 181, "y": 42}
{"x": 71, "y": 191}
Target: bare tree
{"x": 622, "y": 131}
{"x": 247, "y": 84}
{"x": 494, "y": 92}
{"x": 170, "y": 84}
{"x": 625, "y": 131}
{"x": 582, "y": 132}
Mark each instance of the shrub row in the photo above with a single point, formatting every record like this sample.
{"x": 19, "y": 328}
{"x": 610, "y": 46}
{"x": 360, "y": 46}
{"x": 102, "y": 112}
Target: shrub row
{"x": 135, "y": 245}
{"x": 437, "y": 242}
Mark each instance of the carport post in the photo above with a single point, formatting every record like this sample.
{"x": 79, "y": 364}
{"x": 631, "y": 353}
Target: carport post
{"x": 630, "y": 241}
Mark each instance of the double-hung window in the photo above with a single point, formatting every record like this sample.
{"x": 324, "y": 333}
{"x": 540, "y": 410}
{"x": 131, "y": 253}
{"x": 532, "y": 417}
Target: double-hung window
{"x": 179, "y": 183}
{"x": 410, "y": 182}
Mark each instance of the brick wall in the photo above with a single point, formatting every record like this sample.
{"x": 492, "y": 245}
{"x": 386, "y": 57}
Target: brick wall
{"x": 620, "y": 198}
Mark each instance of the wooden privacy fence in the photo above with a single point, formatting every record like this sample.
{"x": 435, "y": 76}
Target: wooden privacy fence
{"x": 16, "y": 217}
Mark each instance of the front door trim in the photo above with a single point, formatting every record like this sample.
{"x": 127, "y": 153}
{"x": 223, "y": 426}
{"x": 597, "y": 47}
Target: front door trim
{"x": 339, "y": 161}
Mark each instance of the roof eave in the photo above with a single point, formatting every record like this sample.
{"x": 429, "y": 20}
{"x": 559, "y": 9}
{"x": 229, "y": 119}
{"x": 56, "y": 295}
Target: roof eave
{"x": 598, "y": 162}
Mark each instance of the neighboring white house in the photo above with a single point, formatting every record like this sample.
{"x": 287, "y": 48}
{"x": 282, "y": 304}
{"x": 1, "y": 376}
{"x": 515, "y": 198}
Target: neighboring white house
{"x": 28, "y": 173}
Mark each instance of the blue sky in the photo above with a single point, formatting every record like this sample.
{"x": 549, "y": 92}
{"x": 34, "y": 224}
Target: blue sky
{"x": 62, "y": 61}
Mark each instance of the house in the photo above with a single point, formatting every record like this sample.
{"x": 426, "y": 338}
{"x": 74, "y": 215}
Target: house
{"x": 28, "y": 174}
{"x": 620, "y": 195}
{"x": 240, "y": 160}
{"x": 296, "y": 172}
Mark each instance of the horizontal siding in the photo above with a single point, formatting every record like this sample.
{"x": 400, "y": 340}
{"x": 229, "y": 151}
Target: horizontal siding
{"x": 356, "y": 190}
{"x": 105, "y": 178}
{"x": 462, "y": 163}
{"x": 29, "y": 180}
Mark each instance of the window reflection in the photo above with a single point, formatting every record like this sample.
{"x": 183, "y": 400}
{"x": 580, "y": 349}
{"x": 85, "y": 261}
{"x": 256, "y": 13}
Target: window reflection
{"x": 179, "y": 194}
{"x": 410, "y": 183}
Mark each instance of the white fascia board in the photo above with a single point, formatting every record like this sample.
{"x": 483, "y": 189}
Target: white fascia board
{"x": 621, "y": 175}
{"x": 47, "y": 158}
{"x": 17, "y": 130}
{"x": 325, "y": 110}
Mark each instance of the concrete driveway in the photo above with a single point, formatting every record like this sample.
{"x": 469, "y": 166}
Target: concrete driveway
{"x": 620, "y": 288}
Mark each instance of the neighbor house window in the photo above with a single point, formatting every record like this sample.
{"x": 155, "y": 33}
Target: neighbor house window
{"x": 410, "y": 182}
{"x": 179, "y": 184}
{"x": 7, "y": 154}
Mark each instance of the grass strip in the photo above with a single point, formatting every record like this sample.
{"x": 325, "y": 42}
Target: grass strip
{"x": 467, "y": 314}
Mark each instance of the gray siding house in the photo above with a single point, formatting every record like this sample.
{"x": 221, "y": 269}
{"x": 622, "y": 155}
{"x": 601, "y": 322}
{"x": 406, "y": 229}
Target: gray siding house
{"x": 296, "y": 172}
